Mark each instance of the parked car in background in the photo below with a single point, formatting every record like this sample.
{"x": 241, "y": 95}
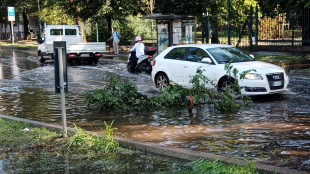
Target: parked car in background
{"x": 180, "y": 63}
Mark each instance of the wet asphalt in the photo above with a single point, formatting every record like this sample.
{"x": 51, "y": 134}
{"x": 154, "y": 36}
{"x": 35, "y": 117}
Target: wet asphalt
{"x": 275, "y": 130}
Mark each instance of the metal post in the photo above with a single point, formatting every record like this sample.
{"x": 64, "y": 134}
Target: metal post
{"x": 250, "y": 27}
{"x": 195, "y": 31}
{"x": 39, "y": 34}
{"x": 292, "y": 26}
{"x": 256, "y": 24}
{"x": 203, "y": 29}
{"x": 62, "y": 92}
{"x": 12, "y": 32}
{"x": 97, "y": 32}
{"x": 229, "y": 25}
{"x": 208, "y": 29}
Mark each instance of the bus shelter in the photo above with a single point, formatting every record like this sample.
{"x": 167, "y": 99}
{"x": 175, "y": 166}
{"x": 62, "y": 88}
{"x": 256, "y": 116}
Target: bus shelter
{"x": 174, "y": 30}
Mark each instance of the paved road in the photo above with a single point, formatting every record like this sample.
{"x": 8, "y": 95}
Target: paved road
{"x": 276, "y": 130}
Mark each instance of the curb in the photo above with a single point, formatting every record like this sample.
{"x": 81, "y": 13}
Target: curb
{"x": 179, "y": 153}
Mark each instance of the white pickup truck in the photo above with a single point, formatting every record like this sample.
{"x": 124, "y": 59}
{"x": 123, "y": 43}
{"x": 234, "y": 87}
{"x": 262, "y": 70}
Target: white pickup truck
{"x": 77, "y": 50}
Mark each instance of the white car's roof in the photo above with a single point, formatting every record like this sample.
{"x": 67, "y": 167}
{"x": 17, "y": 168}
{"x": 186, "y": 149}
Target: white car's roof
{"x": 203, "y": 46}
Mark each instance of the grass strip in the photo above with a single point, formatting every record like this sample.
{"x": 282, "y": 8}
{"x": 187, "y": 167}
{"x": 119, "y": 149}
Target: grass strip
{"x": 18, "y": 45}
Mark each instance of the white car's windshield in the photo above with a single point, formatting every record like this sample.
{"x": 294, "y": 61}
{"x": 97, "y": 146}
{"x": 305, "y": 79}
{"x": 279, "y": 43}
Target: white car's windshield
{"x": 229, "y": 54}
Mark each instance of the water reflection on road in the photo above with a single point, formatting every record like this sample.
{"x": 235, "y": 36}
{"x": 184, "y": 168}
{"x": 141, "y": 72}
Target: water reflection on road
{"x": 276, "y": 130}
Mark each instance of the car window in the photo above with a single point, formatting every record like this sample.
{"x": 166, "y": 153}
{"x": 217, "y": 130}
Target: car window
{"x": 196, "y": 54}
{"x": 176, "y": 53}
{"x": 56, "y": 32}
{"x": 70, "y": 32}
{"x": 229, "y": 54}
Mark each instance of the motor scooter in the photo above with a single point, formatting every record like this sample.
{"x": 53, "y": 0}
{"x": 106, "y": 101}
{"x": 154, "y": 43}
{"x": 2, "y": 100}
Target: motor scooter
{"x": 143, "y": 63}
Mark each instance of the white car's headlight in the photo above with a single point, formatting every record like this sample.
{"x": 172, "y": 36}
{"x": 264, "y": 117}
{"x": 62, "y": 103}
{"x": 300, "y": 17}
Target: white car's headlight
{"x": 253, "y": 76}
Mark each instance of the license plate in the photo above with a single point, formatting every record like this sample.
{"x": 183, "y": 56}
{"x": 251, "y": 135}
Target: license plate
{"x": 277, "y": 83}
{"x": 84, "y": 55}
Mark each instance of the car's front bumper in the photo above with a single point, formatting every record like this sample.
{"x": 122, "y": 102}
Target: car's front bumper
{"x": 262, "y": 87}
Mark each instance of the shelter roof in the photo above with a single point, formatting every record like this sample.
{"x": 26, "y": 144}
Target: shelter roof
{"x": 159, "y": 16}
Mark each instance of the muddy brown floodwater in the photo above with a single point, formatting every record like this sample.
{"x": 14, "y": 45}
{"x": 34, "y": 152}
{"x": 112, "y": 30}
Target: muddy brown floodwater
{"x": 275, "y": 130}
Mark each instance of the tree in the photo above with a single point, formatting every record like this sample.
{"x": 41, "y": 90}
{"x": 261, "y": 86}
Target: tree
{"x": 271, "y": 7}
{"x": 27, "y": 8}
{"x": 216, "y": 9}
{"x": 148, "y": 6}
{"x": 52, "y": 13}
{"x": 300, "y": 7}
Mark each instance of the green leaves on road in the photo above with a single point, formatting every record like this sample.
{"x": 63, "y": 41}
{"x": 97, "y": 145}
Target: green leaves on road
{"x": 122, "y": 95}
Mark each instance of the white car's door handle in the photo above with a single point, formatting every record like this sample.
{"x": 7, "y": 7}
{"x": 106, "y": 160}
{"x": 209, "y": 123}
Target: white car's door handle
{"x": 185, "y": 66}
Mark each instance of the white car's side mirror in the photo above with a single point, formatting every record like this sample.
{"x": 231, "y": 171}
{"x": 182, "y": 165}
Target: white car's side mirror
{"x": 206, "y": 60}
{"x": 251, "y": 55}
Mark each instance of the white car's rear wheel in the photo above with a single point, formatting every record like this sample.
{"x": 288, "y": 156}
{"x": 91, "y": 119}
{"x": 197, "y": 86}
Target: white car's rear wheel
{"x": 161, "y": 80}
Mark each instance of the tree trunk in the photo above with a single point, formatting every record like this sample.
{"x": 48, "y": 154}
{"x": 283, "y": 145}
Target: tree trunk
{"x": 242, "y": 31}
{"x": 214, "y": 34}
{"x": 79, "y": 22}
{"x": 26, "y": 27}
{"x": 109, "y": 20}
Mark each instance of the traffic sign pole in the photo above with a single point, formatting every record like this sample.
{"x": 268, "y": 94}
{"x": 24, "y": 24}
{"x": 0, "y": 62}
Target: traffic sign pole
{"x": 12, "y": 32}
{"x": 11, "y": 17}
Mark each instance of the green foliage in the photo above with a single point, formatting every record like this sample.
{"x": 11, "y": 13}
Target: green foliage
{"x": 203, "y": 166}
{"x": 83, "y": 141}
{"x": 39, "y": 150}
{"x": 217, "y": 10}
{"x": 172, "y": 96}
{"x": 118, "y": 95}
{"x": 14, "y": 134}
{"x": 53, "y": 13}
{"x": 200, "y": 90}
{"x": 284, "y": 60}
{"x": 272, "y": 8}
{"x": 18, "y": 45}
{"x": 141, "y": 27}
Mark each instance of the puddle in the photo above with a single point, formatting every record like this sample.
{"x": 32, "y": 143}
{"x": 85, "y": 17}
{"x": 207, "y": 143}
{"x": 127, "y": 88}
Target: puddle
{"x": 274, "y": 131}
{"x": 122, "y": 163}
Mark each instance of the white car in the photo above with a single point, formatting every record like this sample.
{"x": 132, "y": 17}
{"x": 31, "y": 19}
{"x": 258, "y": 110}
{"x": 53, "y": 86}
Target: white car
{"x": 180, "y": 63}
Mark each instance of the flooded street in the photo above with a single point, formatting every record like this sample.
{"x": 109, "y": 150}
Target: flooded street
{"x": 275, "y": 130}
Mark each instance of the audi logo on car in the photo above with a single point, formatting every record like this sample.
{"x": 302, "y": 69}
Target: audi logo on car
{"x": 276, "y": 77}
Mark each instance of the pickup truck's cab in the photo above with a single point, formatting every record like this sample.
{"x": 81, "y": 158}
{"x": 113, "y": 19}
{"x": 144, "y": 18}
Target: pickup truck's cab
{"x": 76, "y": 49}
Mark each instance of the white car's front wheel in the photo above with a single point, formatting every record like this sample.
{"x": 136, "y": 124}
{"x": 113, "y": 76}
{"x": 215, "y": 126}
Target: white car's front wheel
{"x": 161, "y": 80}
{"x": 226, "y": 83}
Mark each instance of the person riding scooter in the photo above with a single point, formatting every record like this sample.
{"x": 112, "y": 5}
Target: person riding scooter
{"x": 139, "y": 49}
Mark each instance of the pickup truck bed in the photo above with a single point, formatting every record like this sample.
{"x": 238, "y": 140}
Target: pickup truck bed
{"x": 77, "y": 50}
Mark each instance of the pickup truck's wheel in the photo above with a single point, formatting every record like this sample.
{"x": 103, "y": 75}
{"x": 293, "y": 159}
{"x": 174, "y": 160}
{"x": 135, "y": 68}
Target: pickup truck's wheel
{"x": 70, "y": 62}
{"x": 161, "y": 80}
{"x": 96, "y": 60}
{"x": 89, "y": 61}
